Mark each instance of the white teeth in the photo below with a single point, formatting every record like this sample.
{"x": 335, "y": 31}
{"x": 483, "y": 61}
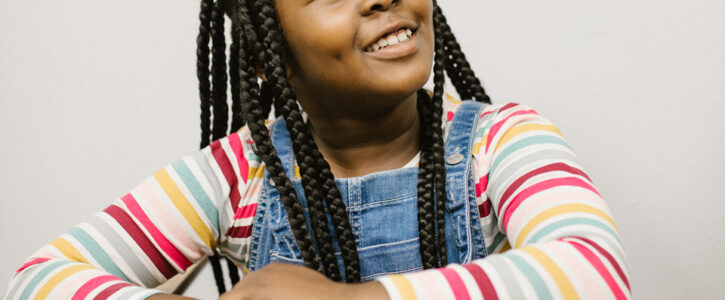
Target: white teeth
{"x": 403, "y": 36}
{"x": 392, "y": 39}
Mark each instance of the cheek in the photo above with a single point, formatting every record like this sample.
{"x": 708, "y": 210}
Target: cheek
{"x": 321, "y": 39}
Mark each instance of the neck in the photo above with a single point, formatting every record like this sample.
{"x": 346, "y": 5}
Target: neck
{"x": 351, "y": 141}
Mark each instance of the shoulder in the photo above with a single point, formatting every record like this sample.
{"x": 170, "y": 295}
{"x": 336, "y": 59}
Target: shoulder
{"x": 499, "y": 123}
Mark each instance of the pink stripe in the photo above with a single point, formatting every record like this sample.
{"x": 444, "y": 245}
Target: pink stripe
{"x": 456, "y": 283}
{"x": 246, "y": 211}
{"x": 160, "y": 239}
{"x": 486, "y": 113}
{"x": 91, "y": 285}
{"x": 481, "y": 185}
{"x": 541, "y": 186}
{"x": 599, "y": 266}
{"x": 32, "y": 262}
{"x": 496, "y": 127}
{"x": 236, "y": 144}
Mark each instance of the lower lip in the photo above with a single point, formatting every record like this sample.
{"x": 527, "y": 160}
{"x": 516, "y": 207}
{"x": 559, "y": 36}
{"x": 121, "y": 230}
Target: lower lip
{"x": 398, "y": 51}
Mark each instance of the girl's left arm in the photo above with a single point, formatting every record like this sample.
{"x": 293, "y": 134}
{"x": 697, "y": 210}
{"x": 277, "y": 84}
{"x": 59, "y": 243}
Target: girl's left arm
{"x": 547, "y": 230}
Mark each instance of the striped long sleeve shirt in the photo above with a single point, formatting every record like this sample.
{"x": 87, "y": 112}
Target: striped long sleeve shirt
{"x": 550, "y": 233}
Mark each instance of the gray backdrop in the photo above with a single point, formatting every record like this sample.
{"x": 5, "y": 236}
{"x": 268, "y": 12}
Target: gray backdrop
{"x": 96, "y": 95}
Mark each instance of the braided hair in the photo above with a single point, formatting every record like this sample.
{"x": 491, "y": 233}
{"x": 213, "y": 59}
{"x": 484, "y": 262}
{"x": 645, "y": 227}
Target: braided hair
{"x": 258, "y": 41}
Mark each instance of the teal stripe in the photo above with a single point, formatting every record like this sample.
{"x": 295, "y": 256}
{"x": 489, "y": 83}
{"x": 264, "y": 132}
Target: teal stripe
{"x": 496, "y": 240}
{"x": 532, "y": 140}
{"x": 30, "y": 286}
{"x": 197, "y": 192}
{"x": 511, "y": 281}
{"x": 572, "y": 222}
{"x": 542, "y": 291}
{"x": 97, "y": 252}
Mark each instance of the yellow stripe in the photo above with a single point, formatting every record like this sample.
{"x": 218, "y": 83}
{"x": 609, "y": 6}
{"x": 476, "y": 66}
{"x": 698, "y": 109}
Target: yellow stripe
{"x": 57, "y": 278}
{"x": 450, "y": 98}
{"x": 558, "y": 210}
{"x": 565, "y": 286}
{"x": 297, "y": 172}
{"x": 404, "y": 287}
{"x": 68, "y": 250}
{"x": 513, "y": 132}
{"x": 506, "y": 247}
{"x": 256, "y": 172}
{"x": 185, "y": 208}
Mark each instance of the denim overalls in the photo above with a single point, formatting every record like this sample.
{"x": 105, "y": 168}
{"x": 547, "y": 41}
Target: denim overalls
{"x": 382, "y": 208}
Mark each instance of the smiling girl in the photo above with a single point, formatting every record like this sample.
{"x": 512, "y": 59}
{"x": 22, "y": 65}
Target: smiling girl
{"x": 366, "y": 186}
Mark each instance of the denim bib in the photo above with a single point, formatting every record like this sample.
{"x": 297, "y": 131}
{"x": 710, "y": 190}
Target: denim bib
{"x": 382, "y": 209}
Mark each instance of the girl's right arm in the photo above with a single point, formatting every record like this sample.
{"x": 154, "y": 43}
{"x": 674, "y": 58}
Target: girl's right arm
{"x": 163, "y": 226}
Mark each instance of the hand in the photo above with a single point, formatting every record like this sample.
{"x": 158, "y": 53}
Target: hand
{"x": 287, "y": 281}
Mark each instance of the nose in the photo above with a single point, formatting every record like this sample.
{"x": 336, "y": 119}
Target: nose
{"x": 370, "y": 7}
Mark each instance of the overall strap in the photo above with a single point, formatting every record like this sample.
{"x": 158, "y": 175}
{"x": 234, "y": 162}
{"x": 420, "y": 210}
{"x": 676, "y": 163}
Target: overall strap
{"x": 283, "y": 144}
{"x": 460, "y": 188}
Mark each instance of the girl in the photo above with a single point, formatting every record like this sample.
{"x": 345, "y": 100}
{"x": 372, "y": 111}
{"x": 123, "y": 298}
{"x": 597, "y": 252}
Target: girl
{"x": 366, "y": 186}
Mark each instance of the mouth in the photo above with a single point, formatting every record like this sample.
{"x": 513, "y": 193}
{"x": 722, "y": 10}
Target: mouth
{"x": 391, "y": 39}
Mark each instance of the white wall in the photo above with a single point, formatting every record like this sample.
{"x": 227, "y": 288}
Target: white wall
{"x": 96, "y": 95}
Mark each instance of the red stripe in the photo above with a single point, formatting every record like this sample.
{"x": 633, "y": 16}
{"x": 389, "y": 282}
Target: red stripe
{"x": 548, "y": 168}
{"x": 239, "y": 231}
{"x": 597, "y": 264}
{"x": 32, "y": 262}
{"x": 109, "y": 291}
{"x": 458, "y": 287}
{"x": 485, "y": 208}
{"x": 485, "y": 113}
{"x": 481, "y": 185}
{"x": 226, "y": 166}
{"x": 236, "y": 144}
{"x": 246, "y": 211}
{"x": 507, "y": 106}
{"x": 141, "y": 240}
{"x": 160, "y": 239}
{"x": 496, "y": 127}
{"x": 609, "y": 257}
{"x": 542, "y": 186}
{"x": 484, "y": 283}
{"x": 91, "y": 285}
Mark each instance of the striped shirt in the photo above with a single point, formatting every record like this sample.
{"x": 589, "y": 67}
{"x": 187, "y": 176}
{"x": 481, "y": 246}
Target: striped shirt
{"x": 548, "y": 231}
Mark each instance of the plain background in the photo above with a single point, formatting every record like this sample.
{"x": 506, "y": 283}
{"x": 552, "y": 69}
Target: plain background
{"x": 97, "y": 95}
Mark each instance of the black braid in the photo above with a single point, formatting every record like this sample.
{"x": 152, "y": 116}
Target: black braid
{"x": 304, "y": 148}
{"x": 202, "y": 70}
{"x": 237, "y": 120}
{"x": 219, "y": 71}
{"x": 252, "y": 109}
{"x": 426, "y": 219}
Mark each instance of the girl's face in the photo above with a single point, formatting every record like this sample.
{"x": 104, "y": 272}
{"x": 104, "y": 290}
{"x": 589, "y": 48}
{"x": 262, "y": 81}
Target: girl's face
{"x": 334, "y": 56}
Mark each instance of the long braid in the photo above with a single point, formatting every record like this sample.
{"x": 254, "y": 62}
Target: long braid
{"x": 219, "y": 71}
{"x": 202, "y": 70}
{"x": 205, "y": 94}
{"x": 437, "y": 138}
{"x": 426, "y": 219}
{"x": 234, "y": 79}
{"x": 306, "y": 152}
{"x": 253, "y": 112}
